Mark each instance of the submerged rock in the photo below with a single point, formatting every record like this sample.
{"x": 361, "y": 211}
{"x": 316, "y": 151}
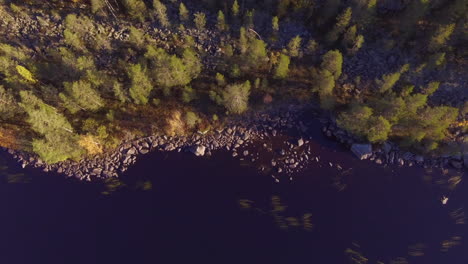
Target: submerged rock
{"x": 362, "y": 151}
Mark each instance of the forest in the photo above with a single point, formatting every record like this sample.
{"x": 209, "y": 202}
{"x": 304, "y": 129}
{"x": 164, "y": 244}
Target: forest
{"x": 78, "y": 77}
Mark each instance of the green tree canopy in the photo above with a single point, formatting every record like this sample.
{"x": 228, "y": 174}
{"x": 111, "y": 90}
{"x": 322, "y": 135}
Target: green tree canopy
{"x": 141, "y": 86}
{"x": 282, "y": 69}
{"x": 332, "y": 62}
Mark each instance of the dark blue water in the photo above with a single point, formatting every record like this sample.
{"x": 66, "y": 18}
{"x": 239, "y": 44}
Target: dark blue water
{"x": 176, "y": 208}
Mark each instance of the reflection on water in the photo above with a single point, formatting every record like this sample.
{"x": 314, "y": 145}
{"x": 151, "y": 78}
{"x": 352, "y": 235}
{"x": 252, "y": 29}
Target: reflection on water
{"x": 277, "y": 211}
{"x": 355, "y": 256}
{"x": 11, "y": 177}
{"x": 450, "y": 243}
{"x": 416, "y": 250}
{"x": 392, "y": 215}
{"x": 458, "y": 215}
{"x": 112, "y": 185}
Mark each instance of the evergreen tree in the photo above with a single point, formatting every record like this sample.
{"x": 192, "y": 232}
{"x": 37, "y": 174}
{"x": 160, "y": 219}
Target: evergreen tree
{"x": 387, "y": 81}
{"x": 137, "y": 38}
{"x": 324, "y": 84}
{"x": 97, "y": 6}
{"x": 243, "y": 41}
{"x": 282, "y": 69}
{"x": 342, "y": 21}
{"x": 184, "y": 14}
{"x": 275, "y": 24}
{"x": 119, "y": 92}
{"x": 200, "y": 20}
{"x": 332, "y": 62}
{"x": 235, "y": 9}
{"x": 249, "y": 19}
{"x": 379, "y": 129}
{"x": 221, "y": 22}
{"x": 136, "y": 9}
{"x": 140, "y": 87}
{"x": 294, "y": 46}
{"x": 431, "y": 88}
{"x": 83, "y": 95}
{"x": 8, "y": 104}
{"x": 59, "y": 141}
{"x": 440, "y": 37}
{"x": 256, "y": 53}
{"x": 160, "y": 11}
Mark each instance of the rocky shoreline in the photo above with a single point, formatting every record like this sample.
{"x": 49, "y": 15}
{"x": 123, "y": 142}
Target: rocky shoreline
{"x": 280, "y": 133}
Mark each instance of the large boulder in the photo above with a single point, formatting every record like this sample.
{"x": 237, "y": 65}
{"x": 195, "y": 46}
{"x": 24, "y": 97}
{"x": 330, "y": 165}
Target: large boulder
{"x": 198, "y": 150}
{"x": 362, "y": 151}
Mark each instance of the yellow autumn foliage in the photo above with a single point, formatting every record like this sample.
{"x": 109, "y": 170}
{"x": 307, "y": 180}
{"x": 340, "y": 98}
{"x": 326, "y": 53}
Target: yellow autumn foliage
{"x": 8, "y": 139}
{"x": 174, "y": 124}
{"x": 25, "y": 73}
{"x": 91, "y": 144}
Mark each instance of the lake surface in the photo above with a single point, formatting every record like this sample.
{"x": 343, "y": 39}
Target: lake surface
{"x": 177, "y": 208}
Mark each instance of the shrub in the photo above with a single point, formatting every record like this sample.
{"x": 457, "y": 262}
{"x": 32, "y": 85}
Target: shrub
{"x": 188, "y": 94}
{"x": 236, "y": 97}
{"x": 191, "y": 119}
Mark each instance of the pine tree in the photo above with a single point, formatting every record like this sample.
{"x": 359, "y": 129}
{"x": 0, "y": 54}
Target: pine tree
{"x": 294, "y": 46}
{"x": 235, "y": 9}
{"x": 379, "y": 129}
{"x": 97, "y": 6}
{"x": 141, "y": 86}
{"x": 440, "y": 37}
{"x": 243, "y": 41}
{"x": 200, "y": 20}
{"x": 387, "y": 81}
{"x": 136, "y": 9}
{"x": 83, "y": 95}
{"x": 249, "y": 19}
{"x": 342, "y": 21}
{"x": 8, "y": 105}
{"x": 351, "y": 41}
{"x": 256, "y": 53}
{"x": 184, "y": 14}
{"x": 137, "y": 38}
{"x": 275, "y": 24}
{"x": 332, "y": 62}
{"x": 282, "y": 69}
{"x": 59, "y": 141}
{"x": 161, "y": 13}
{"x": 119, "y": 92}
{"x": 325, "y": 83}
{"x": 221, "y": 22}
